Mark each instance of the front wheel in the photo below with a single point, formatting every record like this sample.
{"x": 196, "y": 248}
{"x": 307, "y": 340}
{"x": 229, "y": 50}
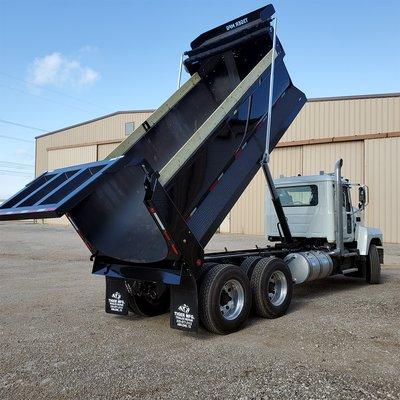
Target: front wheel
{"x": 224, "y": 299}
{"x": 373, "y": 266}
{"x": 272, "y": 287}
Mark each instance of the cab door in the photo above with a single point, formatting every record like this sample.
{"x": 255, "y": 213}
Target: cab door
{"x": 348, "y": 217}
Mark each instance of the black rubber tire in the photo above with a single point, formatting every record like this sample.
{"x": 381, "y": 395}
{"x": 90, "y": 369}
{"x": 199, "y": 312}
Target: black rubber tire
{"x": 204, "y": 269}
{"x": 249, "y": 263}
{"x": 262, "y": 272}
{"x": 145, "y": 307}
{"x": 209, "y": 299}
{"x": 373, "y": 266}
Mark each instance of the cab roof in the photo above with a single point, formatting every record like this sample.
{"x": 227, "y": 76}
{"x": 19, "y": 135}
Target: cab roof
{"x": 305, "y": 179}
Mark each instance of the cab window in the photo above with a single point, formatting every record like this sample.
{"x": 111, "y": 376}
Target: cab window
{"x": 346, "y": 199}
{"x": 298, "y": 196}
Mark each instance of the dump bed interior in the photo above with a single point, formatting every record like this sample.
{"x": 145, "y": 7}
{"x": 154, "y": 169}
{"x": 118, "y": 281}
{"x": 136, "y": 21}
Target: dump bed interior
{"x": 206, "y": 142}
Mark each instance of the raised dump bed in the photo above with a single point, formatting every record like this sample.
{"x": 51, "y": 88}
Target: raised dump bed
{"x": 206, "y": 142}
{"x": 158, "y": 198}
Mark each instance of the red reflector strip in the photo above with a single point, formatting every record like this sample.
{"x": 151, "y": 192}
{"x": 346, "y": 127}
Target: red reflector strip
{"x": 164, "y": 231}
{"x": 212, "y": 187}
{"x": 166, "y": 234}
{"x": 174, "y": 249}
{"x": 215, "y": 183}
{"x": 88, "y": 245}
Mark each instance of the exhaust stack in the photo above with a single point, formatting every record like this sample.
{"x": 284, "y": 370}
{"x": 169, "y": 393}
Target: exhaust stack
{"x": 339, "y": 207}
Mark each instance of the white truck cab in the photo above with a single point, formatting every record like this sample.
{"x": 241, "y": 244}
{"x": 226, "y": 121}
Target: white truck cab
{"x": 310, "y": 208}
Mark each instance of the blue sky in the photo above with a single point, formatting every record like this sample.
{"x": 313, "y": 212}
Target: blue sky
{"x": 64, "y": 62}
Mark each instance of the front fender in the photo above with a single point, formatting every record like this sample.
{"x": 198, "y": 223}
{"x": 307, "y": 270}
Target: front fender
{"x": 365, "y": 236}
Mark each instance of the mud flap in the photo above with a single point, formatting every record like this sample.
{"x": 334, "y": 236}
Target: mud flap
{"x": 184, "y": 305}
{"x": 116, "y": 296}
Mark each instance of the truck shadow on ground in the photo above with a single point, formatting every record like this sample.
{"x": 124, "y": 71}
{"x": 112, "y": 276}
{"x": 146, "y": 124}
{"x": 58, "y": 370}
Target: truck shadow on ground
{"x": 331, "y": 286}
{"x": 326, "y": 288}
{"x": 302, "y": 294}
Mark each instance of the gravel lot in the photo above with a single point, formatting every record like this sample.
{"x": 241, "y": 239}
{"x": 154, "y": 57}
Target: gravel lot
{"x": 340, "y": 339}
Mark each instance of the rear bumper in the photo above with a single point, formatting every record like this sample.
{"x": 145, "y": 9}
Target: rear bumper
{"x": 151, "y": 273}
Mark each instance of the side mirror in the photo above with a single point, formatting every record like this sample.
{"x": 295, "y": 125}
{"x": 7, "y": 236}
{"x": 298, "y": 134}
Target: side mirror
{"x": 362, "y": 197}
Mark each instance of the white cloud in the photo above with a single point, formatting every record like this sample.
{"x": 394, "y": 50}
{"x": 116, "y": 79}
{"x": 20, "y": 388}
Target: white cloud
{"x": 88, "y": 49}
{"x": 57, "y": 69}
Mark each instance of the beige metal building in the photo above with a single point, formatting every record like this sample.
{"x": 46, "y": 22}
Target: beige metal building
{"x": 363, "y": 130}
{"x": 86, "y": 142}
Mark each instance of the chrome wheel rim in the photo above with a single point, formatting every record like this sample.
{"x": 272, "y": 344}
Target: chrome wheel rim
{"x": 231, "y": 299}
{"x": 277, "y": 288}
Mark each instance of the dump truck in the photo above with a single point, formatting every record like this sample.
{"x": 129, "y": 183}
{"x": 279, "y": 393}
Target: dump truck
{"x": 148, "y": 210}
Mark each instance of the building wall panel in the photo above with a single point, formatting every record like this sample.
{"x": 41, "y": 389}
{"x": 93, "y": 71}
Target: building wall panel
{"x": 382, "y": 173}
{"x": 76, "y": 155}
{"x": 333, "y": 118}
{"x": 373, "y": 160}
{"x": 103, "y": 150}
{"x": 322, "y": 157}
{"x": 248, "y": 214}
{"x": 287, "y": 161}
{"x": 110, "y": 129}
{"x": 84, "y": 143}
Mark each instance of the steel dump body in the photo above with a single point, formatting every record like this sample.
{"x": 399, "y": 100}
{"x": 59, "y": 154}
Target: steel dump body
{"x": 205, "y": 142}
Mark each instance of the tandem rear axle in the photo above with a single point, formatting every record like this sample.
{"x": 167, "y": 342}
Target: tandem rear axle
{"x": 219, "y": 289}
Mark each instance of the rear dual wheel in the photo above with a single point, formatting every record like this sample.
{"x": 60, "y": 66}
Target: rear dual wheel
{"x": 272, "y": 287}
{"x": 224, "y": 299}
{"x": 249, "y": 263}
{"x": 226, "y": 293}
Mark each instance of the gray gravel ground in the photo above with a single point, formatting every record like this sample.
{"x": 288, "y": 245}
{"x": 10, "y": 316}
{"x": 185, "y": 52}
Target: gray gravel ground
{"x": 340, "y": 339}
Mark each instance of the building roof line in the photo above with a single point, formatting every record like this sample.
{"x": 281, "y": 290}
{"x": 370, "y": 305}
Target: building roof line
{"x": 94, "y": 120}
{"x": 355, "y": 97}
{"x": 311, "y": 100}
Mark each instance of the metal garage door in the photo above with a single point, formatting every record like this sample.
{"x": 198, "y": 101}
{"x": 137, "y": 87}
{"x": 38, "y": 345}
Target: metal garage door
{"x": 382, "y": 175}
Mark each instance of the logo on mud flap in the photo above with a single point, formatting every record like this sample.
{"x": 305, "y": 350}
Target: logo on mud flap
{"x": 184, "y": 308}
{"x": 183, "y": 318}
{"x": 116, "y": 303}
